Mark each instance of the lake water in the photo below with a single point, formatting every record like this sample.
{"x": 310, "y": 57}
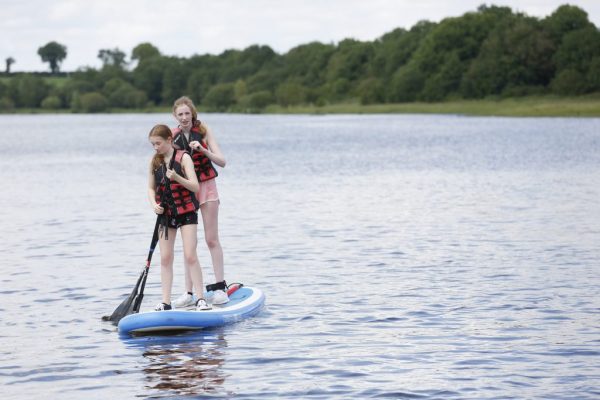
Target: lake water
{"x": 403, "y": 256}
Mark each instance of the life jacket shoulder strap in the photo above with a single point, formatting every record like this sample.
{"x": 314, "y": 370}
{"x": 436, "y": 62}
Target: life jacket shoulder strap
{"x": 177, "y": 130}
{"x": 178, "y": 156}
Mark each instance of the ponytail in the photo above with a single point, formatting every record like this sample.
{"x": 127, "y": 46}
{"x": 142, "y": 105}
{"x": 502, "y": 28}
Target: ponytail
{"x": 201, "y": 128}
{"x": 157, "y": 161}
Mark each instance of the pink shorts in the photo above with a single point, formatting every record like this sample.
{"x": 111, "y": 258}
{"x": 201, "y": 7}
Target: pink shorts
{"x": 208, "y": 191}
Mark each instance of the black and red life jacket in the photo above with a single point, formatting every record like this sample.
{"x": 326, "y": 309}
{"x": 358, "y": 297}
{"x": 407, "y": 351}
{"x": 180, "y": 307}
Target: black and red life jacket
{"x": 202, "y": 165}
{"x": 176, "y": 198}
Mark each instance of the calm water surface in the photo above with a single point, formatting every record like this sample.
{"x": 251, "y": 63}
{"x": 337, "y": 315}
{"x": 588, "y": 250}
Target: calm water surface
{"x": 404, "y": 256}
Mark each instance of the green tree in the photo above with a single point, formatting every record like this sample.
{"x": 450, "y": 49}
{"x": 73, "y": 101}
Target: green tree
{"x": 9, "y": 61}
{"x": 235, "y": 64}
{"x": 6, "y": 104}
{"x": 75, "y": 102}
{"x": 240, "y": 89}
{"x": 220, "y": 97}
{"x": 350, "y": 61}
{"x": 51, "y": 103}
{"x": 446, "y": 81}
{"x": 87, "y": 77}
{"x": 82, "y": 81}
{"x": 290, "y": 93}
{"x": 337, "y": 90}
{"x": 447, "y": 49}
{"x": 112, "y": 57}
{"x": 53, "y": 53}
{"x": 371, "y": 91}
{"x": 394, "y": 49}
{"x": 255, "y": 102}
{"x": 122, "y": 94}
{"x": 203, "y": 72}
{"x": 144, "y": 51}
{"x": 593, "y": 75}
{"x": 485, "y": 76}
{"x": 577, "y": 49}
{"x": 266, "y": 79}
{"x": 127, "y": 96}
{"x": 199, "y": 82}
{"x": 306, "y": 64}
{"x": 148, "y": 77}
{"x": 113, "y": 85}
{"x": 93, "y": 102}
{"x": 28, "y": 90}
{"x": 529, "y": 54}
{"x": 565, "y": 19}
{"x": 569, "y": 82}
{"x": 518, "y": 52}
{"x": 175, "y": 76}
{"x": 407, "y": 83}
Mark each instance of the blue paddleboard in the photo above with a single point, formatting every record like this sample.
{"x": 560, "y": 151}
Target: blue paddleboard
{"x": 245, "y": 302}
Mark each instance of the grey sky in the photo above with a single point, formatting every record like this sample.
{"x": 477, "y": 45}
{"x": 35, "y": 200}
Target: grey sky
{"x": 186, "y": 27}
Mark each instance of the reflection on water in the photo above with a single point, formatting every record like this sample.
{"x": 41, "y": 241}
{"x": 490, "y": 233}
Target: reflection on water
{"x": 183, "y": 365}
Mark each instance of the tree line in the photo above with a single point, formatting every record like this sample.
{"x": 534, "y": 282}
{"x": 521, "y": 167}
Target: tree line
{"x": 492, "y": 51}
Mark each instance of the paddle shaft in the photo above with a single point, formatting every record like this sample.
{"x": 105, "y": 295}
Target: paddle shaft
{"x": 154, "y": 241}
{"x": 138, "y": 299}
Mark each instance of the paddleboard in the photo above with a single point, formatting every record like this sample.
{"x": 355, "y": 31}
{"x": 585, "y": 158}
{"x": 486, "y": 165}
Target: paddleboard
{"x": 245, "y": 302}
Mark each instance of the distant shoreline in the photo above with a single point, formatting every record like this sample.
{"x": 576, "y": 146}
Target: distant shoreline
{"x": 546, "y": 106}
{"x": 538, "y": 106}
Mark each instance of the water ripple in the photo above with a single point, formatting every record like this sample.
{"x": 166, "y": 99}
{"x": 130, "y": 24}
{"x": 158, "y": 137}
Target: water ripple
{"x": 437, "y": 257}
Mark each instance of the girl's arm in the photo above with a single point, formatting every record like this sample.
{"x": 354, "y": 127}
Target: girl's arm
{"x": 214, "y": 151}
{"x": 190, "y": 183}
{"x": 152, "y": 192}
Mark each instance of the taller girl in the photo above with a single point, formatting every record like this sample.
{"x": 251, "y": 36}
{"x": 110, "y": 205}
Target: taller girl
{"x": 198, "y": 140}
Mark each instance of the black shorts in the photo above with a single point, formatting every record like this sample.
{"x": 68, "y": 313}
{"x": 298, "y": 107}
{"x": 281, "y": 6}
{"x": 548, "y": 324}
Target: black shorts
{"x": 178, "y": 221}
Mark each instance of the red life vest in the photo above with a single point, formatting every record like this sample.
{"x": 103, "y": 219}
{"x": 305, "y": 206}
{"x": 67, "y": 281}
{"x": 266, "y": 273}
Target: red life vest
{"x": 202, "y": 165}
{"x": 176, "y": 198}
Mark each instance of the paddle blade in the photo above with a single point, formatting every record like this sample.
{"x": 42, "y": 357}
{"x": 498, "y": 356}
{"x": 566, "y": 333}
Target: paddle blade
{"x": 126, "y": 307}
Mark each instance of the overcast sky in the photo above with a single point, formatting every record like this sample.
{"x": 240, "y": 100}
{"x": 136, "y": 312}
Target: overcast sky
{"x": 187, "y": 27}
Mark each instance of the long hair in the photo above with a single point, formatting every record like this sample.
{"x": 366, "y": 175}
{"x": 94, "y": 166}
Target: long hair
{"x": 184, "y": 100}
{"x": 163, "y": 132}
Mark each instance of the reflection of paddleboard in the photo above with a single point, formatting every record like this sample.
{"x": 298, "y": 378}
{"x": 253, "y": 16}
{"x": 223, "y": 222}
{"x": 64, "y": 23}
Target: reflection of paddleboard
{"x": 243, "y": 303}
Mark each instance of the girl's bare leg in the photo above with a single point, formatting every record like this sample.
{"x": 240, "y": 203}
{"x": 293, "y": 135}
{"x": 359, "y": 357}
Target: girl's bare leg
{"x": 210, "y": 219}
{"x": 190, "y": 241}
{"x": 166, "y": 264}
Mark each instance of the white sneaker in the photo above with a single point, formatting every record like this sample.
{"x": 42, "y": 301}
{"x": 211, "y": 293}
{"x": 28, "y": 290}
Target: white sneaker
{"x": 185, "y": 300}
{"x": 220, "y": 297}
{"x": 201, "y": 305}
{"x": 162, "y": 307}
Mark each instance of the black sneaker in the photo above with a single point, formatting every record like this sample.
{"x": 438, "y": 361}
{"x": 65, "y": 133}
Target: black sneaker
{"x": 162, "y": 307}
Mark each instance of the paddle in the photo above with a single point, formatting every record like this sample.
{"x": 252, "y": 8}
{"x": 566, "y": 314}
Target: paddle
{"x": 131, "y": 304}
